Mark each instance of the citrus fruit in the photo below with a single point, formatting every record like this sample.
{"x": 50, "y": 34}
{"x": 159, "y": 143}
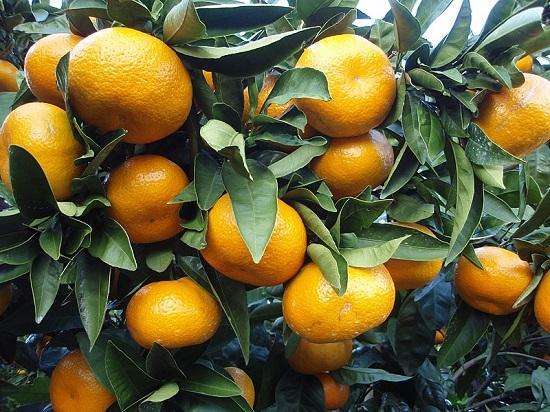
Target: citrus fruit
{"x": 173, "y": 313}
{"x": 350, "y": 165}
{"x": 5, "y": 298}
{"x": 542, "y": 303}
{"x": 495, "y": 288}
{"x": 41, "y": 64}
{"x": 361, "y": 82}
{"x": 411, "y": 274}
{"x": 8, "y": 77}
{"x": 336, "y": 394}
{"x": 139, "y": 191}
{"x": 273, "y": 110}
{"x": 546, "y": 357}
{"x": 525, "y": 64}
{"x": 209, "y": 77}
{"x": 74, "y": 387}
{"x": 518, "y": 120}
{"x": 227, "y": 253}
{"x": 44, "y": 131}
{"x": 314, "y": 311}
{"x": 123, "y": 78}
{"x": 439, "y": 336}
{"x": 244, "y": 382}
{"x": 312, "y": 358}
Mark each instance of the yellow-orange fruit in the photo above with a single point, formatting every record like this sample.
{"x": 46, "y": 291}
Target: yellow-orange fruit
{"x": 525, "y": 64}
{"x": 439, "y": 336}
{"x": 273, "y": 110}
{"x": 542, "y": 303}
{"x": 312, "y": 358}
{"x": 8, "y": 77}
{"x": 244, "y": 382}
{"x": 336, "y": 394}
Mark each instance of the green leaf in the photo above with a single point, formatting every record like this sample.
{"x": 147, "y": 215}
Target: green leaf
{"x": 302, "y": 194}
{"x": 537, "y": 219}
{"x": 182, "y": 24}
{"x": 315, "y": 224}
{"x": 254, "y": 205}
{"x": 411, "y": 128}
{"x": 6, "y": 102}
{"x": 248, "y": 59}
{"x": 540, "y": 385}
{"x": 228, "y": 142}
{"x": 132, "y": 13}
{"x": 423, "y": 78}
{"x": 113, "y": 139}
{"x": 31, "y": 189}
{"x": 208, "y": 180}
{"x": 206, "y": 381}
{"x": 333, "y": 266}
{"x": 406, "y": 27}
{"x": 482, "y": 151}
{"x": 92, "y": 293}
{"x": 368, "y": 257}
{"x": 129, "y": 381}
{"x": 381, "y": 34}
{"x": 76, "y": 236}
{"x": 490, "y": 175}
{"x": 228, "y": 90}
{"x": 165, "y": 392}
{"x": 475, "y": 60}
{"x": 45, "y": 276}
{"x": 366, "y": 376}
{"x": 161, "y": 364}
{"x": 110, "y": 243}
{"x": 357, "y": 214}
{"x": 50, "y": 239}
{"x": 307, "y": 8}
{"x": 409, "y": 209}
{"x": 55, "y": 25}
{"x": 498, "y": 208}
{"x": 296, "y": 393}
{"x": 429, "y": 10}
{"x": 464, "y": 331}
{"x": 8, "y": 272}
{"x": 95, "y": 8}
{"x": 29, "y": 393}
{"x": 404, "y": 168}
{"x": 453, "y": 44}
{"x": 159, "y": 260}
{"x": 297, "y": 159}
{"x": 498, "y": 14}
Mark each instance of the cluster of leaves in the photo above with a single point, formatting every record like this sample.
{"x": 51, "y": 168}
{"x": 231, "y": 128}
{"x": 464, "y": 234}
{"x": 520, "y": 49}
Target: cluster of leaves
{"x": 75, "y": 268}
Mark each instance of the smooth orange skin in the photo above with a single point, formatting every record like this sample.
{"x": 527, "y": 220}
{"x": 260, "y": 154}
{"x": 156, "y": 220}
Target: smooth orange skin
{"x": 542, "y": 303}
{"x": 315, "y": 312}
{"x": 123, "y": 78}
{"x": 361, "y": 82}
{"x": 411, "y": 274}
{"x": 174, "y": 313}
{"x": 518, "y": 120}
{"x": 8, "y": 77}
{"x": 5, "y": 298}
{"x": 139, "y": 191}
{"x": 525, "y": 64}
{"x": 209, "y": 77}
{"x": 546, "y": 357}
{"x": 74, "y": 387}
{"x": 312, "y": 358}
{"x": 439, "y": 336}
{"x": 227, "y": 253}
{"x": 273, "y": 110}
{"x": 336, "y": 394}
{"x": 244, "y": 382}
{"x": 41, "y": 64}
{"x": 43, "y": 130}
{"x": 350, "y": 165}
{"x": 496, "y": 288}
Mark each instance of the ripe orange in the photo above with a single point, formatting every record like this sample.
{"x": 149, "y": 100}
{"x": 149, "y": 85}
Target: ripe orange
{"x": 41, "y": 63}
{"x": 439, "y": 336}
{"x": 546, "y": 357}
{"x": 244, "y": 382}
{"x": 312, "y": 358}
{"x": 74, "y": 387}
{"x": 273, "y": 110}
{"x": 494, "y": 289}
{"x": 123, "y": 78}
{"x": 525, "y": 64}
{"x": 208, "y": 76}
{"x": 361, "y": 82}
{"x": 542, "y": 303}
{"x": 173, "y": 313}
{"x": 227, "y": 253}
{"x": 5, "y": 298}
{"x": 518, "y": 120}
{"x": 314, "y": 311}
{"x": 351, "y": 164}
{"x": 139, "y": 191}
{"x": 410, "y": 274}
{"x": 336, "y": 394}
{"x": 8, "y": 77}
{"x": 44, "y": 131}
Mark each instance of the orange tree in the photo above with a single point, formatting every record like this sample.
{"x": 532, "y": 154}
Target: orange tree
{"x": 211, "y": 205}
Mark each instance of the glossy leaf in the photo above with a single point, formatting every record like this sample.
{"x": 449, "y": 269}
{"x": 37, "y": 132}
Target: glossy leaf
{"x": 110, "y": 243}
{"x": 315, "y": 224}
{"x": 368, "y": 257}
{"x": 406, "y": 27}
{"x": 482, "y": 151}
{"x": 296, "y": 160}
{"x": 45, "y": 277}
{"x": 206, "y": 381}
{"x": 208, "y": 181}
{"x": 333, "y": 266}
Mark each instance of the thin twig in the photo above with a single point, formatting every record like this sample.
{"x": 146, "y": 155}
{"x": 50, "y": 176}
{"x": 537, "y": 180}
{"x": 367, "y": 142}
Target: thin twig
{"x": 486, "y": 401}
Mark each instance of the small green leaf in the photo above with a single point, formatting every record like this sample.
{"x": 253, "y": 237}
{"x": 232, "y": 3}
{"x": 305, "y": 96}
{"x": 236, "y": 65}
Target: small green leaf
{"x": 409, "y": 209}
{"x": 206, "y": 381}
{"x": 366, "y": 376}
{"x": 132, "y": 13}
{"x": 111, "y": 244}
{"x": 208, "y": 180}
{"x": 453, "y": 44}
{"x": 411, "y": 128}
{"x": 482, "y": 151}
{"x": 8, "y": 272}
{"x": 372, "y": 256}
{"x": 475, "y": 60}
{"x": 498, "y": 208}
{"x": 165, "y": 392}
{"x": 297, "y": 159}
{"x": 315, "y": 224}
{"x": 429, "y": 10}
{"x": 45, "y": 279}
{"x": 161, "y": 364}
{"x": 381, "y": 34}
{"x": 537, "y": 219}
{"x": 404, "y": 168}
{"x": 490, "y": 175}
{"x": 50, "y": 239}
{"x": 159, "y": 260}
{"x": 333, "y": 266}
{"x": 406, "y": 27}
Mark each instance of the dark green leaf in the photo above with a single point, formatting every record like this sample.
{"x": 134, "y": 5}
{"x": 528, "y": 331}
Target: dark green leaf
{"x": 206, "y": 381}
{"x": 159, "y": 260}
{"x": 333, "y": 266}
{"x": 8, "y": 272}
{"x": 409, "y": 209}
{"x": 182, "y": 24}
{"x": 315, "y": 224}
{"x": 482, "y": 151}
{"x": 132, "y": 13}
{"x": 45, "y": 275}
{"x": 406, "y": 27}
{"x": 50, "y": 239}
{"x": 366, "y": 376}
{"x": 429, "y": 10}
{"x": 537, "y": 219}
{"x": 208, "y": 180}
{"x": 371, "y": 256}
{"x": 160, "y": 364}
{"x": 404, "y": 168}
{"x": 296, "y": 160}
{"x": 299, "y": 393}
{"x": 498, "y": 208}
{"x": 111, "y": 244}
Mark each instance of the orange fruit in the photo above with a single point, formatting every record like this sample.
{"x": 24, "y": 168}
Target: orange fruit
{"x": 518, "y": 120}
{"x": 439, "y": 336}
{"x": 209, "y": 77}
{"x": 8, "y": 77}
{"x": 139, "y": 191}
{"x": 244, "y": 382}
{"x": 74, "y": 387}
{"x": 273, "y": 110}
{"x": 542, "y": 303}
{"x": 227, "y": 253}
{"x": 411, "y": 274}
{"x": 173, "y": 313}
{"x": 361, "y": 82}
{"x": 41, "y": 64}
{"x": 5, "y": 298}
{"x": 350, "y": 165}
{"x": 525, "y": 64}
{"x": 314, "y": 311}
{"x": 495, "y": 288}
{"x": 312, "y": 358}
{"x": 123, "y": 78}
{"x": 336, "y": 394}
{"x": 45, "y": 132}
{"x": 546, "y": 357}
